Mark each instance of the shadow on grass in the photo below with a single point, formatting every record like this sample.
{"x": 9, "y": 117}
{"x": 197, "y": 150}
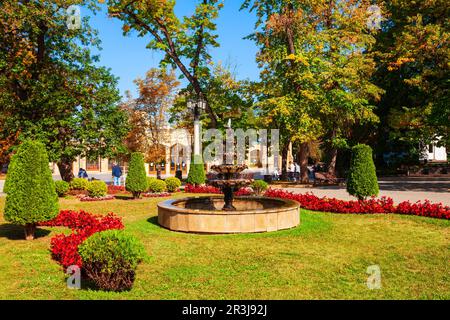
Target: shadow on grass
{"x": 15, "y": 232}
{"x": 154, "y": 221}
{"x": 124, "y": 197}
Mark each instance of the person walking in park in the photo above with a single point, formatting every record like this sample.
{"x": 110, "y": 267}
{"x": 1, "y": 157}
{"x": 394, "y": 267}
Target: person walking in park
{"x": 297, "y": 171}
{"x": 117, "y": 173}
{"x": 82, "y": 173}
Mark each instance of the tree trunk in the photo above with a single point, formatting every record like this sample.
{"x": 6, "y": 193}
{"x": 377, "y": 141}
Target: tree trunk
{"x": 332, "y": 161}
{"x": 158, "y": 172}
{"x": 30, "y": 229}
{"x": 66, "y": 169}
{"x": 303, "y": 159}
{"x": 284, "y": 153}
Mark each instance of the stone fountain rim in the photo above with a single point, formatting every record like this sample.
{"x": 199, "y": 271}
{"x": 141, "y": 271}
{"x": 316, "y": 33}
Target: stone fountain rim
{"x": 288, "y": 205}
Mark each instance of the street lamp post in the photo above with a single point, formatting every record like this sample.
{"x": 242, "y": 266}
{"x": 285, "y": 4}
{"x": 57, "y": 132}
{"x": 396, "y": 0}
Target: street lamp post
{"x": 197, "y": 106}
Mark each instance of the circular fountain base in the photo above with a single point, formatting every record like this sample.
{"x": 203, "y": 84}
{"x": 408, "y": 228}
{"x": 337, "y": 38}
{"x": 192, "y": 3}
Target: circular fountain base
{"x": 205, "y": 215}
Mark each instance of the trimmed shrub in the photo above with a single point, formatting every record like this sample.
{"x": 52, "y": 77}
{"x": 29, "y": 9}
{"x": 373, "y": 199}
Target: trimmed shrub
{"x": 79, "y": 184}
{"x": 259, "y": 186}
{"x": 150, "y": 180}
{"x": 362, "y": 178}
{"x": 172, "y": 184}
{"x": 110, "y": 259}
{"x": 136, "y": 181}
{"x": 196, "y": 174}
{"x": 97, "y": 189}
{"x": 157, "y": 186}
{"x": 31, "y": 194}
{"x": 62, "y": 187}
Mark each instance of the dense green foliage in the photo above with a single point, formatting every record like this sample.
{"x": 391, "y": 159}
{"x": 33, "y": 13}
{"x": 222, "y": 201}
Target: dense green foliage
{"x": 97, "y": 189}
{"x": 156, "y": 185}
{"x": 185, "y": 41}
{"x": 413, "y": 53}
{"x": 62, "y": 188}
{"x": 31, "y": 195}
{"x": 197, "y": 175}
{"x": 110, "y": 258}
{"x": 150, "y": 180}
{"x": 315, "y": 78}
{"x": 259, "y": 186}
{"x": 136, "y": 181}
{"x": 362, "y": 178}
{"x": 51, "y": 88}
{"x": 172, "y": 184}
{"x": 79, "y": 184}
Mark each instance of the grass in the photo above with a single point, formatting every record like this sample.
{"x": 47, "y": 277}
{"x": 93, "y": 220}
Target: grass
{"x": 326, "y": 257}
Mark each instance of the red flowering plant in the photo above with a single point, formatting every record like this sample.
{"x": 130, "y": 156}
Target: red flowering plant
{"x": 156, "y": 195}
{"x": 64, "y": 248}
{"x": 86, "y": 198}
{"x": 189, "y": 188}
{"x": 244, "y": 192}
{"x": 116, "y": 189}
{"x": 373, "y": 205}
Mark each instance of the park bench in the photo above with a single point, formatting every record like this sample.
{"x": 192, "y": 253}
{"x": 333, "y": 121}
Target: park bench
{"x": 324, "y": 178}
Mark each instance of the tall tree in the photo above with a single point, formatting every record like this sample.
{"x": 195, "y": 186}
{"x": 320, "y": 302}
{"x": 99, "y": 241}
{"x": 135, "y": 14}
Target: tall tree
{"x": 413, "y": 54}
{"x": 185, "y": 41}
{"x": 317, "y": 51}
{"x": 49, "y": 86}
{"x": 229, "y": 97}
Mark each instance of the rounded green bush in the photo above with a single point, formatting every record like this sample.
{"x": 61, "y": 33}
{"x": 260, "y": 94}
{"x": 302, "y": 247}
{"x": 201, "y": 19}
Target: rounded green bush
{"x": 31, "y": 194}
{"x": 172, "y": 184}
{"x": 362, "y": 178}
{"x": 97, "y": 189}
{"x": 259, "y": 186}
{"x": 157, "y": 185}
{"x": 136, "y": 181}
{"x": 150, "y": 181}
{"x": 197, "y": 175}
{"x": 62, "y": 187}
{"x": 110, "y": 259}
{"x": 79, "y": 184}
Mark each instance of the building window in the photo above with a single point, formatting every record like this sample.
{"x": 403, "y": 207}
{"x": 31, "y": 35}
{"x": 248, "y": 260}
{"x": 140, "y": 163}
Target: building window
{"x": 430, "y": 148}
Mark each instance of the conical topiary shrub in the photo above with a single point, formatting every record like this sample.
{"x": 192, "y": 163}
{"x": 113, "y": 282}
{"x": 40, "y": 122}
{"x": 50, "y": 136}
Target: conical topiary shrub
{"x": 362, "y": 178}
{"x": 136, "y": 182}
{"x": 196, "y": 174}
{"x": 30, "y": 194}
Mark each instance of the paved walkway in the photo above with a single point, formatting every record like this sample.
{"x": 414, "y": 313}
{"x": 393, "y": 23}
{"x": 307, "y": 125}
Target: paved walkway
{"x": 400, "y": 189}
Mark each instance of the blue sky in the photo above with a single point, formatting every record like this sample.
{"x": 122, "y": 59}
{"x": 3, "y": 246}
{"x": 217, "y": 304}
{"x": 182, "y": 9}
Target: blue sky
{"x": 128, "y": 58}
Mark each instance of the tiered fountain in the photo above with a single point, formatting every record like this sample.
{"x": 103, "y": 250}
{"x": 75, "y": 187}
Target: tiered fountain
{"x": 229, "y": 181}
{"x": 227, "y": 214}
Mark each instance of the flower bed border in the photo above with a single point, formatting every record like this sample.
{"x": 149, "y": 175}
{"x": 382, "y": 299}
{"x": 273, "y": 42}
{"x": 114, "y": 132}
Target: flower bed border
{"x": 370, "y": 206}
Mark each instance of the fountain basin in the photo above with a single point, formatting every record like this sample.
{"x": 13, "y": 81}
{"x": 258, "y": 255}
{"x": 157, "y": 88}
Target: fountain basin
{"x": 205, "y": 215}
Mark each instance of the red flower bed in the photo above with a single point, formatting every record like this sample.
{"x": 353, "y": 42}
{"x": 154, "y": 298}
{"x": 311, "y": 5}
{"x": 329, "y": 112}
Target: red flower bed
{"x": 210, "y": 189}
{"x": 89, "y": 199}
{"x": 64, "y": 248}
{"x": 156, "y": 195}
{"x": 381, "y": 205}
{"x": 189, "y": 188}
{"x": 116, "y": 189}
{"x": 244, "y": 192}
{"x": 425, "y": 209}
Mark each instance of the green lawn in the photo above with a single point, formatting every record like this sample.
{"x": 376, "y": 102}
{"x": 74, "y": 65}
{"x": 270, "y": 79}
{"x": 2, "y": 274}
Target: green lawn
{"x": 326, "y": 257}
